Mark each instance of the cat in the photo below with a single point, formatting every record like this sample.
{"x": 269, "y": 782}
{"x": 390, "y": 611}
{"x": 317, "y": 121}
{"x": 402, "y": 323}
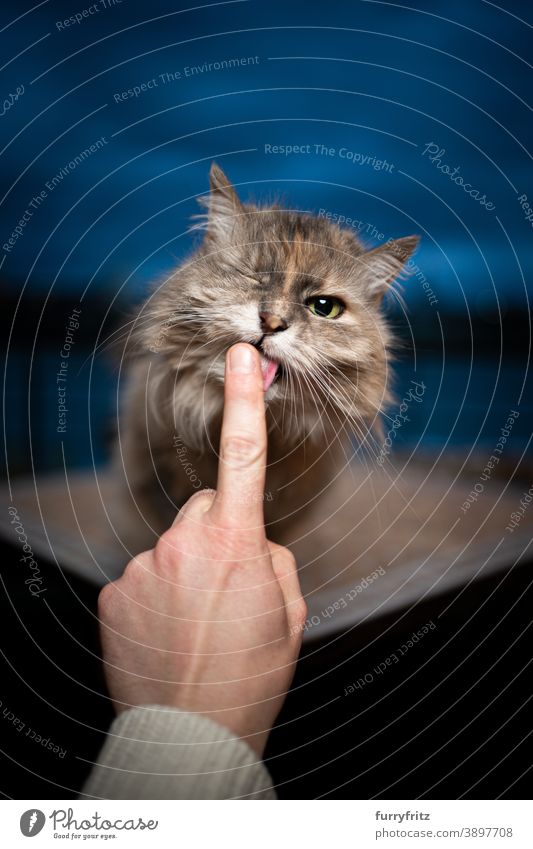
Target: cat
{"x": 308, "y": 295}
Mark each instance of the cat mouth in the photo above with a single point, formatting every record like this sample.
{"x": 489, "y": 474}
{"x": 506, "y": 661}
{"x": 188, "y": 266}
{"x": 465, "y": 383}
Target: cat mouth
{"x": 271, "y": 371}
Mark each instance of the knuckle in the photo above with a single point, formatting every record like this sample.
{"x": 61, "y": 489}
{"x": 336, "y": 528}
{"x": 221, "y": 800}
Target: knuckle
{"x": 241, "y": 451}
{"x": 170, "y": 549}
{"x": 136, "y": 569}
{"x": 167, "y": 544}
{"x": 106, "y": 600}
{"x": 300, "y": 611}
{"x": 289, "y": 560}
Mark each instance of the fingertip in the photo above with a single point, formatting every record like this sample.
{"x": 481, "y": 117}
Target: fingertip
{"x": 242, "y": 359}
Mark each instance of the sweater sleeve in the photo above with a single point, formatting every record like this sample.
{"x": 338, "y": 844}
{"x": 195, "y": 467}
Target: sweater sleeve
{"x": 155, "y": 752}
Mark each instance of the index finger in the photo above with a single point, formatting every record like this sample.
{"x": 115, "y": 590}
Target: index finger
{"x": 243, "y": 444}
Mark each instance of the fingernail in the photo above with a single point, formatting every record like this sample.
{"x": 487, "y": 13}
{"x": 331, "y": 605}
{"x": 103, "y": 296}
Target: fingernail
{"x": 241, "y": 360}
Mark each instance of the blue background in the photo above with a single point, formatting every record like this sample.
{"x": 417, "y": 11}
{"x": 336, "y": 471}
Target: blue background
{"x": 375, "y": 78}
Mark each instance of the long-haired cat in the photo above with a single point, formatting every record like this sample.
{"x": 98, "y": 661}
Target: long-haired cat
{"x": 307, "y": 294}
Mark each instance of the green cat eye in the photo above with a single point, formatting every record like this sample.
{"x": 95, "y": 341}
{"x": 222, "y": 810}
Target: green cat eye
{"x": 325, "y": 307}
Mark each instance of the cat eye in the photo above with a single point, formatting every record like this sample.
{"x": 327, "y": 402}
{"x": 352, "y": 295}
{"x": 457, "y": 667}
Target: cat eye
{"x": 325, "y": 307}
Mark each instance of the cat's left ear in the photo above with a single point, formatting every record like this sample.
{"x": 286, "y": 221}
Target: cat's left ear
{"x": 223, "y": 205}
{"x": 383, "y": 265}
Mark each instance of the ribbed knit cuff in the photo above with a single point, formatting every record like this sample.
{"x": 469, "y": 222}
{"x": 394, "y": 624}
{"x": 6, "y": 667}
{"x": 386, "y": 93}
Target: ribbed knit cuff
{"x": 156, "y": 752}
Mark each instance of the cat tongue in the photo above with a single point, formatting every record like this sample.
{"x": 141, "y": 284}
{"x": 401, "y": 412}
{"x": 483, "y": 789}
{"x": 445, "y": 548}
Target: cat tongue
{"x": 269, "y": 369}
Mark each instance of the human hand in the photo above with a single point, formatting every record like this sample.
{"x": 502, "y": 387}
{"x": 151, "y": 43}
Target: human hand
{"x": 210, "y": 620}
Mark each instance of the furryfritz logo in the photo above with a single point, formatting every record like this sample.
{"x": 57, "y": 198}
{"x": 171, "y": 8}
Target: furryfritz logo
{"x": 31, "y": 822}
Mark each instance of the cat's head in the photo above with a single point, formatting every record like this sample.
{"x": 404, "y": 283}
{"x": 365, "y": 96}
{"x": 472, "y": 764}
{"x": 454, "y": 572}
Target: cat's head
{"x": 304, "y": 291}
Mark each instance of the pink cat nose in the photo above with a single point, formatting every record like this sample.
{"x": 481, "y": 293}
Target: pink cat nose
{"x": 271, "y": 323}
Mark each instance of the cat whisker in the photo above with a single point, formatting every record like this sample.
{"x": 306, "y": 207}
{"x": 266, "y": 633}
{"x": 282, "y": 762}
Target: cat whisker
{"x": 391, "y": 481}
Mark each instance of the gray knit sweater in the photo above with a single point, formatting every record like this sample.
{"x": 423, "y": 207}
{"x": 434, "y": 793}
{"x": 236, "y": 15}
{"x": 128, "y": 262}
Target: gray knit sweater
{"x": 155, "y": 752}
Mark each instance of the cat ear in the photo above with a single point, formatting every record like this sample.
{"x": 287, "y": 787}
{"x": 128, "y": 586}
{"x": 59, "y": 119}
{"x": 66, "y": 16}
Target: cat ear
{"x": 223, "y": 205}
{"x": 383, "y": 265}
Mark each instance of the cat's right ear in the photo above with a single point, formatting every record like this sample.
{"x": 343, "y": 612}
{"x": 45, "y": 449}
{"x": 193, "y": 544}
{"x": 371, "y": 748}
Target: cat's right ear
{"x": 223, "y": 206}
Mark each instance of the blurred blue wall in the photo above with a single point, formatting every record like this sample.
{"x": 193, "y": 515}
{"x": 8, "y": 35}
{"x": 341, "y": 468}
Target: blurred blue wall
{"x": 377, "y": 79}
{"x": 391, "y": 107}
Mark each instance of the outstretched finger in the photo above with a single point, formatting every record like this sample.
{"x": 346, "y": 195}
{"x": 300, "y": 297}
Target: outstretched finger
{"x": 243, "y": 444}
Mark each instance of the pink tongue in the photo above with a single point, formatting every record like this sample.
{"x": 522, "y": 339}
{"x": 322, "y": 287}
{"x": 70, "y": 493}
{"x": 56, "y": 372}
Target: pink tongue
{"x": 269, "y": 369}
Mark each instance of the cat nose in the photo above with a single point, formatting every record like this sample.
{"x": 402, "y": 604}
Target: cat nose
{"x": 271, "y": 323}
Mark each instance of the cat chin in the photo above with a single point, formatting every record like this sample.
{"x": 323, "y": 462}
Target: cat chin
{"x": 274, "y": 393}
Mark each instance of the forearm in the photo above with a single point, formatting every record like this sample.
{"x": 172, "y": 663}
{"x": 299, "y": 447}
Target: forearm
{"x": 155, "y": 752}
